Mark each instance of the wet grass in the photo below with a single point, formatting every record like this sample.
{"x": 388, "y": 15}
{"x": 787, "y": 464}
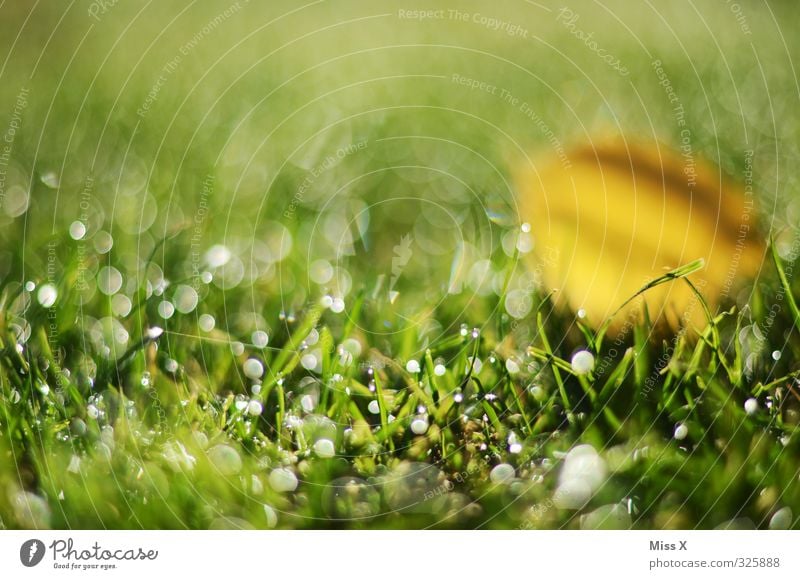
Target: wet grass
{"x": 367, "y": 228}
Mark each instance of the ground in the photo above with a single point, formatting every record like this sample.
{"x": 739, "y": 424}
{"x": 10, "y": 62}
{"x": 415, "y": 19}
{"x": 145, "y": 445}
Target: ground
{"x": 262, "y": 267}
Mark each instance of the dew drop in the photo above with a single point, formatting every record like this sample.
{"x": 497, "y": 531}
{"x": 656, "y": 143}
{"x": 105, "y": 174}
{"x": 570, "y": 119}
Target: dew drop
{"x": 77, "y": 230}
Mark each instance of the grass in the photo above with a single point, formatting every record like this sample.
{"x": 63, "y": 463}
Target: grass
{"x": 113, "y": 416}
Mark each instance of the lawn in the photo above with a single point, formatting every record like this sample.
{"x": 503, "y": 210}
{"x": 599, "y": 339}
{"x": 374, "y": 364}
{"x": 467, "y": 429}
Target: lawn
{"x": 261, "y": 266}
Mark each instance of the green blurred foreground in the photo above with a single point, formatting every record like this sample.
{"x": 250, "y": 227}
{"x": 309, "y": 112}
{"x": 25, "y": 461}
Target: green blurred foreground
{"x": 259, "y": 267}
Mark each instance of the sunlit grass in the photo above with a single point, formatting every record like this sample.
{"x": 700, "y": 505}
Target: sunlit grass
{"x": 294, "y": 295}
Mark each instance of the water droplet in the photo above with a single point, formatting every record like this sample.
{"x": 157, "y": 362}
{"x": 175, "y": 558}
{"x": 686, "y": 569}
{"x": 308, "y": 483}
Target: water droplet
{"x": 582, "y": 362}
{"x": 185, "y": 298}
{"x": 419, "y": 425}
{"x": 412, "y": 366}
{"x": 47, "y": 295}
{"x": 782, "y": 520}
{"x": 681, "y": 432}
{"x": 518, "y": 303}
{"x": 226, "y": 459}
{"x": 109, "y": 280}
{"x": 503, "y": 473}
{"x": 751, "y": 406}
{"x": 206, "y": 322}
{"x": 326, "y": 301}
{"x": 337, "y": 306}
{"x": 776, "y": 355}
{"x": 282, "y": 480}
{"x": 218, "y": 256}
{"x": 512, "y": 366}
{"x": 77, "y": 230}
{"x": 166, "y": 309}
{"x": 320, "y": 271}
{"x": 307, "y": 403}
{"x": 260, "y": 339}
{"x": 103, "y": 242}
{"x": 309, "y": 361}
{"x": 121, "y": 305}
{"x": 439, "y": 370}
{"x": 324, "y": 448}
{"x": 254, "y": 408}
{"x": 374, "y": 407}
{"x": 50, "y": 179}
{"x": 74, "y": 464}
{"x": 253, "y": 368}
{"x": 154, "y": 332}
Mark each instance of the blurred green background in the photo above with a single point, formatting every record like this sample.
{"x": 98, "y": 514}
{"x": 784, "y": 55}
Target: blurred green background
{"x": 290, "y": 149}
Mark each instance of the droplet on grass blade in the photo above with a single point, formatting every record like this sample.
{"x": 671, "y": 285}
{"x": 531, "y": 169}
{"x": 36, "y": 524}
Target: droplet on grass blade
{"x": 324, "y": 448}
{"x": 607, "y": 517}
{"x": 253, "y": 368}
{"x": 206, "y": 322}
{"x": 154, "y": 332}
{"x": 751, "y": 406}
{"x": 582, "y": 362}
{"x": 186, "y": 299}
{"x": 419, "y": 425}
{"x": 218, "y": 256}
{"x": 283, "y": 480}
{"x": 260, "y": 339}
{"x": 121, "y": 305}
{"x": 226, "y": 459}
{"x": 46, "y": 296}
{"x": 166, "y": 309}
{"x": 782, "y": 520}
{"x": 77, "y": 230}
{"x": 503, "y": 473}
{"x": 412, "y": 367}
{"x": 582, "y": 473}
{"x": 109, "y": 280}
{"x": 254, "y": 408}
{"x": 681, "y": 432}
